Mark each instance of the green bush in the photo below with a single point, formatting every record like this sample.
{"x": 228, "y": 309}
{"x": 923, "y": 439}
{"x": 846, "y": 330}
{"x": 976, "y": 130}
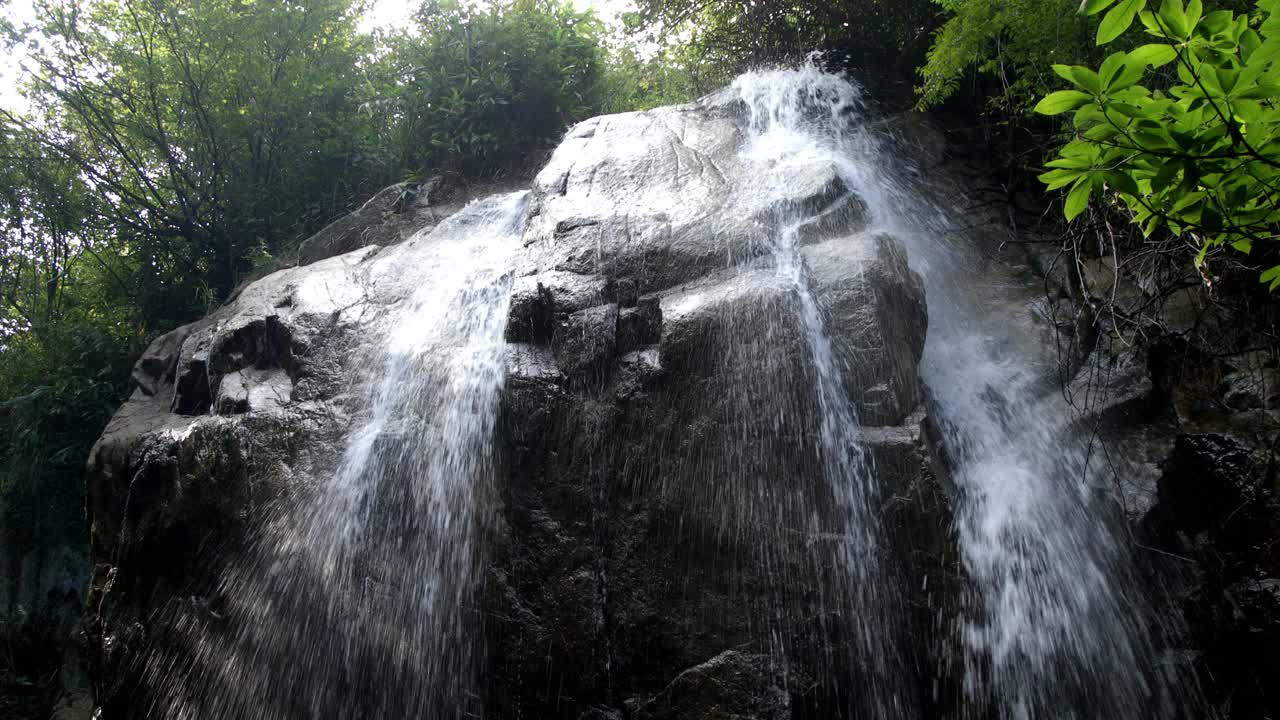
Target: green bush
{"x": 1183, "y": 133}
{"x": 476, "y": 88}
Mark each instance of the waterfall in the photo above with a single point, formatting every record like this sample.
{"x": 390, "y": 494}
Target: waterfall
{"x": 791, "y": 117}
{"x": 1055, "y": 624}
{"x": 660, "y": 453}
{"x": 358, "y": 599}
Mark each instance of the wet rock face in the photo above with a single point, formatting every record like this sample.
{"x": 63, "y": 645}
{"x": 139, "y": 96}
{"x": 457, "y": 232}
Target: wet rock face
{"x": 667, "y": 544}
{"x": 227, "y": 415}
{"x": 1218, "y": 515}
{"x": 663, "y": 542}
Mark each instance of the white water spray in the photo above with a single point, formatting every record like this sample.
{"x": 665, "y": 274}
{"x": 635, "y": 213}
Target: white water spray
{"x": 359, "y": 599}
{"x": 1055, "y": 625}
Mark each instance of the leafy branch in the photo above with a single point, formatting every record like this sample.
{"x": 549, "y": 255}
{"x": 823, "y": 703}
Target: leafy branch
{"x": 1198, "y": 156}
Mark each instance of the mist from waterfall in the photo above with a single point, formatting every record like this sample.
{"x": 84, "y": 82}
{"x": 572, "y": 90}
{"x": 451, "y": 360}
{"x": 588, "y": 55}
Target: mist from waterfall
{"x": 358, "y": 599}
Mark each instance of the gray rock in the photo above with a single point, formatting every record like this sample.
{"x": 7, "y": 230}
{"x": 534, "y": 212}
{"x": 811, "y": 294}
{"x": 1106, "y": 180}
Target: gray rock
{"x": 729, "y": 685}
{"x": 877, "y": 319}
{"x": 387, "y": 218}
{"x": 663, "y": 521}
{"x": 662, "y": 535}
{"x": 640, "y": 326}
{"x": 586, "y": 340}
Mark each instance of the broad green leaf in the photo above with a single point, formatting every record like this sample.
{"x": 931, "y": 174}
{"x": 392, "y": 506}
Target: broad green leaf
{"x": 1055, "y": 179}
{"x": 1166, "y": 176}
{"x": 1216, "y": 22}
{"x": 1173, "y": 19}
{"x": 1226, "y": 79}
{"x": 1122, "y": 182}
{"x": 1272, "y": 276}
{"x": 1078, "y": 199}
{"x": 1093, "y": 7}
{"x": 1064, "y": 72}
{"x": 1261, "y": 91}
{"x": 1195, "y": 9}
{"x": 1075, "y": 163}
{"x": 1188, "y": 200}
{"x": 1152, "y": 141}
{"x": 1110, "y": 68}
{"x": 1256, "y": 52}
{"x": 1152, "y": 25}
{"x": 1117, "y": 20}
{"x": 1271, "y": 25}
{"x": 1102, "y": 133}
{"x": 1087, "y": 79}
{"x": 1155, "y": 54}
{"x": 1062, "y": 101}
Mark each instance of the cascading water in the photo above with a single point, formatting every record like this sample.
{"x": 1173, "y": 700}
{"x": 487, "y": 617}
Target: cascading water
{"x": 357, "y": 600}
{"x": 1056, "y": 627}
{"x": 789, "y": 116}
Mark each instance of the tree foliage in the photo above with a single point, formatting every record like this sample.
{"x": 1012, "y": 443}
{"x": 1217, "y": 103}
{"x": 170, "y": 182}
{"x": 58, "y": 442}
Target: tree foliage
{"x": 207, "y": 129}
{"x": 1182, "y": 132}
{"x": 884, "y": 38}
{"x": 475, "y": 87}
{"x": 167, "y": 149}
{"x": 1010, "y": 41}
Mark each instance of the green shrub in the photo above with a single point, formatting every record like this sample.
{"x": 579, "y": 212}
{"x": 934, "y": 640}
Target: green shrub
{"x": 1183, "y": 133}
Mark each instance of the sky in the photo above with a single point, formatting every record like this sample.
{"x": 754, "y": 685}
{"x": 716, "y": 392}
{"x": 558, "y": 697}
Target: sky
{"x": 383, "y": 14}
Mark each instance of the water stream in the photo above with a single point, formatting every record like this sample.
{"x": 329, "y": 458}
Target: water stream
{"x": 790, "y": 117}
{"x": 359, "y": 599}
{"x": 1054, "y": 624}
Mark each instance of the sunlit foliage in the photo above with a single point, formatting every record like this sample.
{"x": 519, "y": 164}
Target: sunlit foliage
{"x": 1183, "y": 132}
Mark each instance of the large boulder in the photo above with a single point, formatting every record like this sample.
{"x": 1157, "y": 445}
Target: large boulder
{"x": 670, "y": 540}
{"x": 389, "y": 217}
{"x": 227, "y": 414}
{"x": 668, "y": 535}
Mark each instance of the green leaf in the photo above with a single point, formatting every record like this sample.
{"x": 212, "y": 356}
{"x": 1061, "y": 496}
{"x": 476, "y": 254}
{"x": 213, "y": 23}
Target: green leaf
{"x": 1055, "y": 179}
{"x": 1062, "y": 101}
{"x": 1174, "y": 19}
{"x": 1102, "y": 133}
{"x": 1216, "y": 22}
{"x": 1110, "y": 68}
{"x": 1261, "y": 91}
{"x": 1078, "y": 198}
{"x": 1155, "y": 54}
{"x": 1258, "y": 53}
{"x": 1272, "y": 276}
{"x": 1064, "y": 72}
{"x": 1195, "y": 9}
{"x": 1087, "y": 79}
{"x": 1122, "y": 182}
{"x": 1093, "y": 7}
{"x": 1148, "y": 19}
{"x": 1166, "y": 176}
{"x": 1071, "y": 163}
{"x": 1118, "y": 20}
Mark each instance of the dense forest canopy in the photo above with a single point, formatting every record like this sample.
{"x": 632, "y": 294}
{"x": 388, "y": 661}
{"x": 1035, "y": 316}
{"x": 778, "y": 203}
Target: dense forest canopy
{"x": 165, "y": 151}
